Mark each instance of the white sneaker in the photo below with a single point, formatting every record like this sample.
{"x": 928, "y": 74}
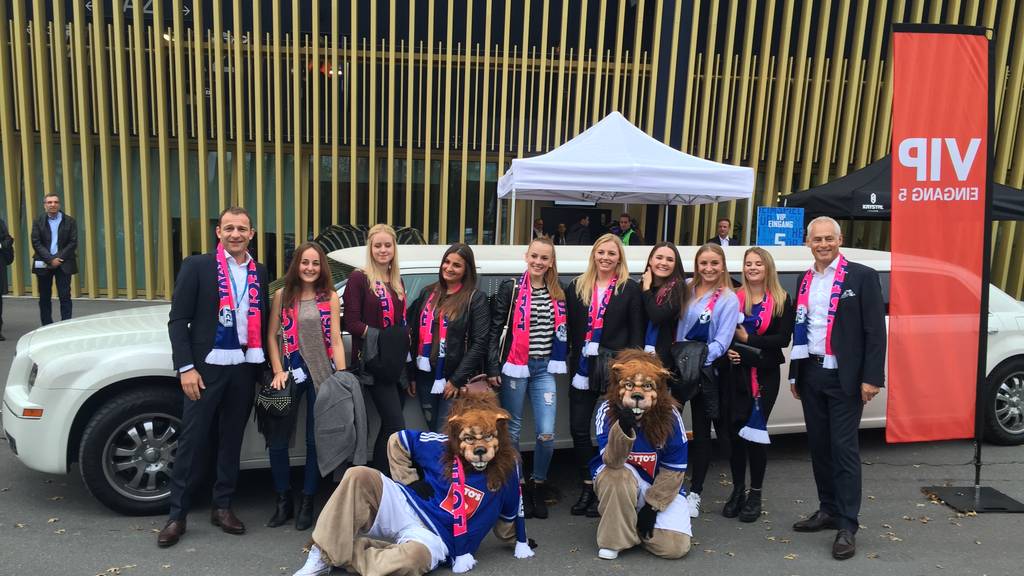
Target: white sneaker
{"x": 693, "y": 500}
{"x": 315, "y": 564}
{"x": 607, "y": 554}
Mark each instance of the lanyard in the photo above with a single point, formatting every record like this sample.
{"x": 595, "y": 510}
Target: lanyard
{"x": 235, "y": 293}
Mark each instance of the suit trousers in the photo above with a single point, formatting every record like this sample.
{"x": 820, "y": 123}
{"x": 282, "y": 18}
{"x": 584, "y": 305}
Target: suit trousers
{"x": 228, "y": 394}
{"x": 46, "y": 280}
{"x": 833, "y": 419}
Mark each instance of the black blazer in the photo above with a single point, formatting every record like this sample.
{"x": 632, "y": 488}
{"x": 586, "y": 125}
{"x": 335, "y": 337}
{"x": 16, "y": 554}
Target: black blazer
{"x": 192, "y": 323}
{"x": 666, "y": 319}
{"x": 733, "y": 241}
{"x": 67, "y": 243}
{"x": 501, "y": 305}
{"x": 466, "y": 353}
{"x": 775, "y": 338}
{"x": 858, "y": 335}
{"x": 624, "y": 321}
{"x": 6, "y": 255}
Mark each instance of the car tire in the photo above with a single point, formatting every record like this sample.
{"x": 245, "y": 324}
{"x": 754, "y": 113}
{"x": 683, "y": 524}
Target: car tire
{"x": 128, "y": 448}
{"x": 1004, "y": 404}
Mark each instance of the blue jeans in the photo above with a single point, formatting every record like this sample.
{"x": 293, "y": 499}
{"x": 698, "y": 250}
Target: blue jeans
{"x": 278, "y": 449}
{"x": 435, "y": 406}
{"x": 541, "y": 387}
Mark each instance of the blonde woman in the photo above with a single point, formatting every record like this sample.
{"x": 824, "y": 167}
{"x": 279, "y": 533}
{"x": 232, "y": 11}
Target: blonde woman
{"x": 766, "y": 323}
{"x": 605, "y": 314}
{"x": 375, "y": 299}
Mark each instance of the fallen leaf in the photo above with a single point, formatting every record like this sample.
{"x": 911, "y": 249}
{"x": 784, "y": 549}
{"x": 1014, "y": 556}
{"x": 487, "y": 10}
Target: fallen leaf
{"x": 919, "y": 505}
{"x": 56, "y": 498}
{"x": 785, "y": 540}
{"x": 165, "y": 566}
{"x": 872, "y": 555}
{"x": 917, "y": 465}
{"x": 972, "y": 513}
{"x": 978, "y": 542}
{"x": 574, "y": 549}
{"x": 956, "y": 524}
{"x": 791, "y": 556}
{"x": 798, "y": 501}
{"x": 889, "y": 526}
{"x": 939, "y": 566}
{"x": 924, "y": 519}
{"x": 871, "y": 497}
{"x": 708, "y": 551}
{"x": 770, "y": 537}
{"x": 19, "y": 525}
{"x": 905, "y": 517}
{"x": 52, "y": 520}
{"x": 60, "y": 531}
{"x": 4, "y": 489}
{"x": 190, "y": 549}
{"x": 730, "y": 554}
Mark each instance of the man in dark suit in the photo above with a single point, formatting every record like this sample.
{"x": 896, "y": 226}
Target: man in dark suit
{"x": 6, "y": 258}
{"x": 835, "y": 371}
{"x": 55, "y": 241}
{"x": 219, "y": 305}
{"x": 723, "y": 238}
{"x": 579, "y": 234}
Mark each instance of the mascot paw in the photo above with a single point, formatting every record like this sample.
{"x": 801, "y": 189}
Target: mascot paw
{"x": 463, "y": 563}
{"x": 645, "y": 518}
{"x": 524, "y": 549}
{"x": 627, "y": 421}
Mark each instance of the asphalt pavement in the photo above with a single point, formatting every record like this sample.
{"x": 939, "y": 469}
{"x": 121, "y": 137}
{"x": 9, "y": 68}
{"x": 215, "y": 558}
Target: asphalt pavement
{"x": 50, "y": 525}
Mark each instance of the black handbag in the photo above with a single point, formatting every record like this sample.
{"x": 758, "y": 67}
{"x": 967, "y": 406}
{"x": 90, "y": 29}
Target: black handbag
{"x": 599, "y": 369}
{"x": 689, "y": 357}
{"x": 274, "y": 403}
{"x": 750, "y": 356}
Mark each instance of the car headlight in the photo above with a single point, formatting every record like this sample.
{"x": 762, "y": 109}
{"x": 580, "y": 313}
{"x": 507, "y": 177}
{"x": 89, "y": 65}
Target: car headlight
{"x": 32, "y": 375}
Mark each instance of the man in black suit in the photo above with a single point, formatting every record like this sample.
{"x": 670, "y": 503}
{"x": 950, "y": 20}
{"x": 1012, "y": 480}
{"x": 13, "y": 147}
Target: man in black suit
{"x": 579, "y": 234}
{"x": 55, "y": 241}
{"x": 723, "y": 238}
{"x": 834, "y": 380}
{"x": 6, "y": 258}
{"x": 217, "y": 351}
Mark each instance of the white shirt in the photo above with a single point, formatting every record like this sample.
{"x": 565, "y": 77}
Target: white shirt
{"x": 239, "y": 291}
{"x": 723, "y": 241}
{"x": 817, "y": 304}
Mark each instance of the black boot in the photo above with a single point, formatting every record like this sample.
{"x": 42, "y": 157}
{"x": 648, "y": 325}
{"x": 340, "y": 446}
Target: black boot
{"x": 540, "y": 505}
{"x": 587, "y": 499}
{"x": 751, "y": 510}
{"x": 736, "y": 500}
{"x": 592, "y": 511}
{"x": 285, "y": 510}
{"x": 528, "y": 498}
{"x": 304, "y": 519}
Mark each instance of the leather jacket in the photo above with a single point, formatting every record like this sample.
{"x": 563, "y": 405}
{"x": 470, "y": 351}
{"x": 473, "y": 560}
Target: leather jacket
{"x": 467, "y": 338}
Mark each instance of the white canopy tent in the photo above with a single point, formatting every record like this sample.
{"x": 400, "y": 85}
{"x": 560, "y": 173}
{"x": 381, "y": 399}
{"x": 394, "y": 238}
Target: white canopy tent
{"x": 614, "y": 161}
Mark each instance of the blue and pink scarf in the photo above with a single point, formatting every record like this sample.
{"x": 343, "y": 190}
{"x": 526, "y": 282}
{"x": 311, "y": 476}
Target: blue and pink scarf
{"x": 290, "y": 329}
{"x": 756, "y": 429}
{"x": 427, "y": 341}
{"x": 388, "y": 314}
{"x": 227, "y": 350}
{"x": 519, "y": 350}
{"x": 800, "y": 338}
{"x": 651, "y": 335}
{"x": 595, "y": 329}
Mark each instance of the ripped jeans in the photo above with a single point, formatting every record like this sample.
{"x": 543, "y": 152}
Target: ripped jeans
{"x": 541, "y": 387}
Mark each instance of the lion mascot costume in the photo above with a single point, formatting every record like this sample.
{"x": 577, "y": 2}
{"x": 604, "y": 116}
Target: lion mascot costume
{"x": 638, "y": 473}
{"x": 445, "y": 493}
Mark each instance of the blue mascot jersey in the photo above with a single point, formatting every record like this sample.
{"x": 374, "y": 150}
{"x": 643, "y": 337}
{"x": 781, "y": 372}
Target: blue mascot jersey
{"x": 644, "y": 458}
{"x": 427, "y": 450}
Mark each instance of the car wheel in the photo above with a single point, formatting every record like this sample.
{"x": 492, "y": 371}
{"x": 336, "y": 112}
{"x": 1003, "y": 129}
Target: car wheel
{"x": 128, "y": 448}
{"x": 1004, "y": 404}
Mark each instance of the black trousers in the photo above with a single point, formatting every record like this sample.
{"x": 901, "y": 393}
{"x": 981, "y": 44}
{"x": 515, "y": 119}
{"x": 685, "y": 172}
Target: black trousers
{"x": 389, "y": 399}
{"x": 700, "y": 447}
{"x": 229, "y": 392}
{"x": 833, "y": 418}
{"x": 46, "y": 280}
{"x": 581, "y": 417}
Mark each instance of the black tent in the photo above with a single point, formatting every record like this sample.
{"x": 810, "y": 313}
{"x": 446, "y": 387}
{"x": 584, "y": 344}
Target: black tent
{"x": 864, "y": 195}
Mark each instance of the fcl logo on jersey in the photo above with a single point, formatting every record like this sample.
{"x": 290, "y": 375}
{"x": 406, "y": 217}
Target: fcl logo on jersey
{"x": 473, "y": 499}
{"x": 646, "y": 461}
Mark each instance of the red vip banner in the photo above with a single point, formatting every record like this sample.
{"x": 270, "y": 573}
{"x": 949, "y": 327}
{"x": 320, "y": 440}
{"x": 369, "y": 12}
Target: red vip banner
{"x": 939, "y": 184}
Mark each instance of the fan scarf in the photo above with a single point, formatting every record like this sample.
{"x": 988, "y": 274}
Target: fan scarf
{"x": 701, "y": 330}
{"x": 387, "y": 306}
{"x": 800, "y": 349}
{"x": 227, "y": 350}
{"x": 519, "y": 350}
{"x": 427, "y": 340}
{"x": 290, "y": 329}
{"x": 592, "y": 340}
{"x": 756, "y": 428}
{"x": 651, "y": 335}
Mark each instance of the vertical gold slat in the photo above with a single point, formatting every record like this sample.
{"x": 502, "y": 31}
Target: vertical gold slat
{"x": 746, "y": 114}
{"x": 202, "y": 135}
{"x": 620, "y": 30}
{"x": 917, "y": 11}
{"x": 317, "y": 114}
{"x": 760, "y": 112}
{"x": 335, "y": 78}
{"x": 689, "y": 107}
{"x": 1015, "y": 284}
{"x": 22, "y": 78}
{"x": 240, "y": 109}
{"x": 44, "y": 103}
{"x": 505, "y": 91}
{"x": 935, "y": 14}
{"x": 971, "y": 13}
{"x": 64, "y": 103}
{"x": 635, "y": 80}
{"x": 834, "y": 90}
{"x": 409, "y": 110}
{"x": 705, "y": 100}
{"x": 596, "y": 111}
{"x": 1001, "y": 266}
{"x": 724, "y": 115}
{"x": 392, "y": 40}
{"x": 83, "y": 77}
{"x": 143, "y": 119}
{"x": 166, "y": 257}
{"x": 219, "y": 90}
{"x": 796, "y": 99}
{"x": 1002, "y": 52}
{"x": 853, "y": 97}
{"x": 278, "y": 94}
{"x": 180, "y": 78}
{"x": 467, "y": 67}
{"x": 813, "y": 117}
{"x": 540, "y": 100}
{"x": 652, "y": 90}
{"x": 882, "y": 124}
{"x": 581, "y": 62}
{"x": 488, "y": 118}
{"x": 953, "y": 12}
{"x": 442, "y": 233}
{"x": 371, "y": 117}
{"x": 879, "y": 29}
{"x": 428, "y": 112}
{"x": 353, "y": 102}
{"x": 123, "y": 129}
{"x": 297, "y": 161}
{"x": 524, "y": 64}
{"x": 670, "y": 101}
{"x": 12, "y": 200}
{"x": 560, "y": 91}
{"x": 262, "y": 225}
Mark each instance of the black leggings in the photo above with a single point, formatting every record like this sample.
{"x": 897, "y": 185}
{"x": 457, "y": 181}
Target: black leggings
{"x": 700, "y": 446}
{"x": 389, "y": 400}
{"x": 581, "y": 415}
{"x": 742, "y": 451}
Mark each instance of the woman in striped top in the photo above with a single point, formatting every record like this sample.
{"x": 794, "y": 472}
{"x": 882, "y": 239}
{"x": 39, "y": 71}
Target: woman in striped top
{"x": 527, "y": 347}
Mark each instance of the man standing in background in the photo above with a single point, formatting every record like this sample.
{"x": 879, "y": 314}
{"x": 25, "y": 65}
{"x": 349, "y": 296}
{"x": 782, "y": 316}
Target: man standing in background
{"x": 6, "y": 258}
{"x": 55, "y": 241}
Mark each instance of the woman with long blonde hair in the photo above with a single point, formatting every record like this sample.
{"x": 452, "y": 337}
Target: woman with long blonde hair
{"x": 375, "y": 300}
{"x": 605, "y": 315}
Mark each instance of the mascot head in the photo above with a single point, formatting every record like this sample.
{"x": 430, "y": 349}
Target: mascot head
{"x": 478, "y": 433}
{"x": 639, "y": 383}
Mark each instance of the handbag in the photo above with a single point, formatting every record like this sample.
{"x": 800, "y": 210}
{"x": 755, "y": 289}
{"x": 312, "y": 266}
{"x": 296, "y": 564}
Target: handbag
{"x": 599, "y": 369}
{"x": 750, "y": 356}
{"x": 689, "y": 357}
{"x": 271, "y": 402}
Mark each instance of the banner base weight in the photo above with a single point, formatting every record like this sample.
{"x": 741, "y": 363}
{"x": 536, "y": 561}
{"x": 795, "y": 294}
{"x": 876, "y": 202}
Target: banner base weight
{"x": 968, "y": 499}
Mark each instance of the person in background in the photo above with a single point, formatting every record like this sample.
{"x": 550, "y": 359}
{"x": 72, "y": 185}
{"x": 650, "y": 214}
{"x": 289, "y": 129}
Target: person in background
{"x": 6, "y": 259}
{"x": 724, "y": 236}
{"x": 579, "y": 233}
{"x": 664, "y": 295}
{"x": 528, "y": 346}
{"x": 55, "y": 242}
{"x": 559, "y": 239}
{"x": 628, "y": 233}
{"x": 605, "y": 315}
{"x": 304, "y": 340}
{"x": 375, "y": 298}
{"x": 538, "y": 228}
{"x": 710, "y": 316}
{"x": 751, "y": 389}
{"x": 838, "y": 366}
{"x": 449, "y": 338}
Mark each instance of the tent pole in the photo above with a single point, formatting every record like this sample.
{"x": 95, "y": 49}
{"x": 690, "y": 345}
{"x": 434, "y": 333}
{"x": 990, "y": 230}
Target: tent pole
{"x": 497, "y": 223}
{"x": 512, "y": 220}
{"x": 750, "y": 216}
{"x": 664, "y": 232}
{"x": 533, "y": 216}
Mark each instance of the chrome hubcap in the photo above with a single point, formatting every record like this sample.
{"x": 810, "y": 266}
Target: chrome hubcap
{"x": 1010, "y": 403}
{"x": 139, "y": 456}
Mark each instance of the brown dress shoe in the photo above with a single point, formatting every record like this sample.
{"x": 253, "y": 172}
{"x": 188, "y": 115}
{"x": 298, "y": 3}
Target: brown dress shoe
{"x": 227, "y": 521}
{"x": 171, "y": 533}
{"x": 845, "y": 545}
{"x": 818, "y": 521}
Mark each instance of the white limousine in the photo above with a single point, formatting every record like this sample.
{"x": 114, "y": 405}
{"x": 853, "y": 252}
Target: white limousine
{"x": 101, "y": 390}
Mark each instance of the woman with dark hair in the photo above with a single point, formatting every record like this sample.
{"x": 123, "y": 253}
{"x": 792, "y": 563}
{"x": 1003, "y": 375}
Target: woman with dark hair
{"x": 710, "y": 317}
{"x": 305, "y": 322}
{"x": 605, "y": 315}
{"x": 375, "y": 300}
{"x": 664, "y": 295}
{"x": 766, "y": 314}
{"x": 449, "y": 338}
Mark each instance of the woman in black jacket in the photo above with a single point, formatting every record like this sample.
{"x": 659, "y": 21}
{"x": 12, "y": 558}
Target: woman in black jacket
{"x": 449, "y": 338}
{"x": 664, "y": 295}
{"x": 753, "y": 385}
{"x": 605, "y": 315}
